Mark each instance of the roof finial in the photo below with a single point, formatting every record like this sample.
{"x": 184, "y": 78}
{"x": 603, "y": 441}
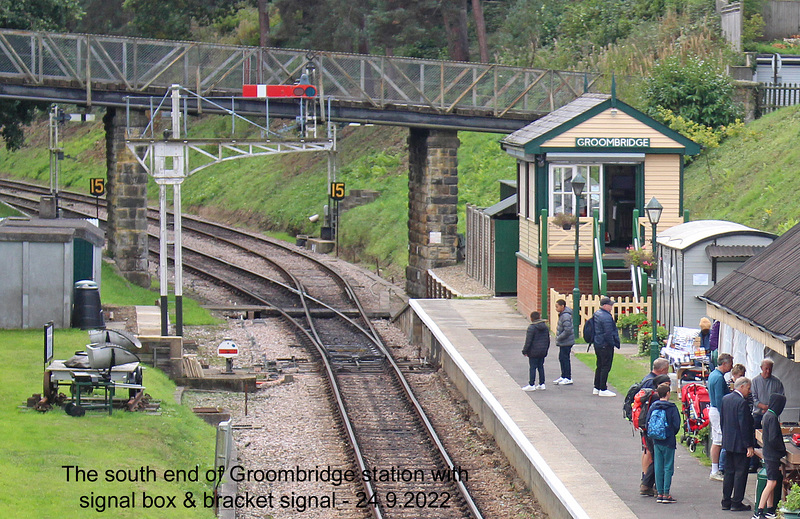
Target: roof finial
{"x": 613, "y": 90}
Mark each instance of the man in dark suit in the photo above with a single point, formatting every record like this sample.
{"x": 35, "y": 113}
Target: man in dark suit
{"x": 737, "y": 440}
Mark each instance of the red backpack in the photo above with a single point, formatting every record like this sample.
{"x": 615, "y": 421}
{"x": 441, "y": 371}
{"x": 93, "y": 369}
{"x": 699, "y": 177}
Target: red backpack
{"x": 641, "y": 404}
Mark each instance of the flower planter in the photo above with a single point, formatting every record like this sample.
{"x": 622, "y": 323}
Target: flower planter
{"x": 787, "y": 514}
{"x": 566, "y": 226}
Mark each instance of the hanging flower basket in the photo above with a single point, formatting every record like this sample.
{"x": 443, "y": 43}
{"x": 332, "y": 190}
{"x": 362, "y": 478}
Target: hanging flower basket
{"x": 640, "y": 258}
{"x": 564, "y": 220}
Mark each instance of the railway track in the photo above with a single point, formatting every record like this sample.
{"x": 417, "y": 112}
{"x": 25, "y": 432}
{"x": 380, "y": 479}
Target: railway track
{"x": 405, "y": 469}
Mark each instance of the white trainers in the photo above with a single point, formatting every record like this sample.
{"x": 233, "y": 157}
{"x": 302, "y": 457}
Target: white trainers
{"x": 529, "y": 388}
{"x": 565, "y": 382}
{"x": 558, "y": 380}
{"x": 606, "y": 392}
{"x": 595, "y": 391}
{"x": 541, "y": 387}
{"x": 716, "y": 476}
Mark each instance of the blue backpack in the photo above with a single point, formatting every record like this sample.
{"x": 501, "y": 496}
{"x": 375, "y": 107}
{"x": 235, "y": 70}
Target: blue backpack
{"x": 657, "y": 424}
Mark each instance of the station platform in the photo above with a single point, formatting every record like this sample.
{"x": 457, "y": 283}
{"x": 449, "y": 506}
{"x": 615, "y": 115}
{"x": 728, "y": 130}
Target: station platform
{"x": 574, "y": 449}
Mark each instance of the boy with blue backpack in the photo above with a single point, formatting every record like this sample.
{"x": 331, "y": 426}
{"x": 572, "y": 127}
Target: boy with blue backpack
{"x": 663, "y": 423}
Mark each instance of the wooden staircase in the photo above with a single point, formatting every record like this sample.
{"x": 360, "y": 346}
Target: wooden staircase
{"x": 619, "y": 282}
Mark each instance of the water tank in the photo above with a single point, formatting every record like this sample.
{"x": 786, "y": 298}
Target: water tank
{"x": 87, "y": 313}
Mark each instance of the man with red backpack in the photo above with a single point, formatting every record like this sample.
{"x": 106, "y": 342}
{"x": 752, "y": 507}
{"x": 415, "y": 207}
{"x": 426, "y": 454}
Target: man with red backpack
{"x": 641, "y": 405}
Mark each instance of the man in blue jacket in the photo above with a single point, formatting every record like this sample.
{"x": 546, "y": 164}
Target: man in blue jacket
{"x": 737, "y": 440}
{"x": 717, "y": 389}
{"x": 606, "y": 338}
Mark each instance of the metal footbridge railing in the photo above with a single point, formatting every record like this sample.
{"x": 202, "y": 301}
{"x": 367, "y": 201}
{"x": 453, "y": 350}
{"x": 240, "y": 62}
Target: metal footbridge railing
{"x": 84, "y": 69}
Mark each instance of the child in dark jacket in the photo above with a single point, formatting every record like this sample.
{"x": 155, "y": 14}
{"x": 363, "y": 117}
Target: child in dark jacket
{"x": 537, "y": 342}
{"x": 774, "y": 450}
{"x": 664, "y": 449}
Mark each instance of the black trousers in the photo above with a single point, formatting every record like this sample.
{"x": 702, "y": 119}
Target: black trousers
{"x": 605, "y": 356}
{"x": 733, "y": 486}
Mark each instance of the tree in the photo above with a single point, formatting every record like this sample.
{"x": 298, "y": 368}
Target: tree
{"x": 172, "y": 19}
{"x": 693, "y": 89}
{"x": 480, "y": 30}
{"x": 39, "y": 15}
{"x": 454, "y": 15}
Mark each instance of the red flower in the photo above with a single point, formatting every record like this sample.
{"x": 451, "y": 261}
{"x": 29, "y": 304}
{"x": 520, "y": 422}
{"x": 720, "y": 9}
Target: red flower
{"x": 644, "y": 323}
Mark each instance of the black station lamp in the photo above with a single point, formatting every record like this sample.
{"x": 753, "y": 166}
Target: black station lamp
{"x": 653, "y": 210}
{"x": 578, "y": 183}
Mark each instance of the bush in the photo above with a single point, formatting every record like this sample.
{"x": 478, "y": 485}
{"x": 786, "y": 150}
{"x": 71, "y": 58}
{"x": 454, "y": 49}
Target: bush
{"x": 693, "y": 89}
{"x": 643, "y": 336}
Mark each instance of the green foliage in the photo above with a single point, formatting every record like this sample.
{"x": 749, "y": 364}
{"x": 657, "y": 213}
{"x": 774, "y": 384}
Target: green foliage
{"x": 752, "y": 29}
{"x": 172, "y": 19}
{"x": 37, "y": 445}
{"x": 693, "y": 89}
{"x": 705, "y": 136}
{"x": 626, "y": 320}
{"x": 642, "y": 258}
{"x": 792, "y": 500}
{"x": 644, "y": 336}
{"x": 753, "y": 172}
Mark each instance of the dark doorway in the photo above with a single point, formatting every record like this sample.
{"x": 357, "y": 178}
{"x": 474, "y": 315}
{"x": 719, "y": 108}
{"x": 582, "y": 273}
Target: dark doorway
{"x": 621, "y": 200}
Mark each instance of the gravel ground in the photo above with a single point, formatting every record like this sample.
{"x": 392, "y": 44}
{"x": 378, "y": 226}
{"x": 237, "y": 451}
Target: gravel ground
{"x": 291, "y": 423}
{"x": 276, "y": 436}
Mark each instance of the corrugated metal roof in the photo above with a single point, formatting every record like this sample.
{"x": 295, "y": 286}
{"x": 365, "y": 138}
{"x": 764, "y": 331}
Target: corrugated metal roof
{"x": 503, "y": 206}
{"x": 733, "y": 251}
{"x": 554, "y": 119}
{"x": 765, "y": 290}
{"x": 685, "y": 235}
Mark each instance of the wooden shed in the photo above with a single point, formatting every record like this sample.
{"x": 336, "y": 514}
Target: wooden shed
{"x": 43, "y": 258}
{"x": 758, "y": 306}
{"x": 626, "y": 158}
{"x": 693, "y": 257}
{"x": 492, "y": 243}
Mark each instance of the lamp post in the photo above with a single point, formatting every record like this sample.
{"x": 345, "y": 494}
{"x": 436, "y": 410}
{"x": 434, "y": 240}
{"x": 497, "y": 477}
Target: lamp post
{"x": 578, "y": 183}
{"x": 653, "y": 209}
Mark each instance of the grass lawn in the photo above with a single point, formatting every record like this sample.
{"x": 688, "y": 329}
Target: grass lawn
{"x": 37, "y": 445}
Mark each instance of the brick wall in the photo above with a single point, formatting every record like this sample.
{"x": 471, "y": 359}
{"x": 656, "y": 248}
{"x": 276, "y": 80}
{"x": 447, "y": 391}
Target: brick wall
{"x": 562, "y": 279}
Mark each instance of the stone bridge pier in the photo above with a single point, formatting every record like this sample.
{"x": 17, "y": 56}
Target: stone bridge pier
{"x": 432, "y": 204}
{"x": 126, "y": 230}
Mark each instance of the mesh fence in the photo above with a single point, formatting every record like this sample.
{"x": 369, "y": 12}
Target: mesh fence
{"x": 143, "y": 65}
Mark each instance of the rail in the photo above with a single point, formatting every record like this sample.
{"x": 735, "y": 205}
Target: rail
{"x": 599, "y": 276}
{"x": 98, "y": 63}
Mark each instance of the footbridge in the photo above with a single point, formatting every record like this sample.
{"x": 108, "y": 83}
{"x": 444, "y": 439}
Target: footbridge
{"x": 433, "y": 98}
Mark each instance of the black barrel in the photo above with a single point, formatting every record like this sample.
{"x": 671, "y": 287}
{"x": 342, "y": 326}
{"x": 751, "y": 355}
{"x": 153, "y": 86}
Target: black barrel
{"x": 87, "y": 313}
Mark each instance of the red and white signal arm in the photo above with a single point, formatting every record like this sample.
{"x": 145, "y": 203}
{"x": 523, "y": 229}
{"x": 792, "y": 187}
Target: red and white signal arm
{"x": 279, "y": 91}
{"x": 227, "y": 349}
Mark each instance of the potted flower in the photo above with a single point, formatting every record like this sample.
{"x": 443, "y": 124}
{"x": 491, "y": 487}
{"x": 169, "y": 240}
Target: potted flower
{"x": 790, "y": 505}
{"x": 640, "y": 258}
{"x": 628, "y": 324}
{"x": 644, "y": 333}
{"x": 564, "y": 220}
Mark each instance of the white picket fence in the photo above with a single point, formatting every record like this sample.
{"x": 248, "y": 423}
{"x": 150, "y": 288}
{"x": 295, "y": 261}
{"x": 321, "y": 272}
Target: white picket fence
{"x": 590, "y": 304}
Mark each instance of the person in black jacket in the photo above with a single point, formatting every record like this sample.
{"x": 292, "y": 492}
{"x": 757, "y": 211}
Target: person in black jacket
{"x": 606, "y": 338}
{"x": 664, "y": 449}
{"x": 737, "y": 440}
{"x": 537, "y": 342}
{"x": 774, "y": 450}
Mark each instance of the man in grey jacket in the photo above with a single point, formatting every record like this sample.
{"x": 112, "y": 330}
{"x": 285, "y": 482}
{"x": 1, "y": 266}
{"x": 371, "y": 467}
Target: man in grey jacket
{"x": 565, "y": 340}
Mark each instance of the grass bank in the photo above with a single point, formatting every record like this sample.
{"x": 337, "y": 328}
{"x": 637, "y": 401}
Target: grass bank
{"x": 37, "y": 446}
